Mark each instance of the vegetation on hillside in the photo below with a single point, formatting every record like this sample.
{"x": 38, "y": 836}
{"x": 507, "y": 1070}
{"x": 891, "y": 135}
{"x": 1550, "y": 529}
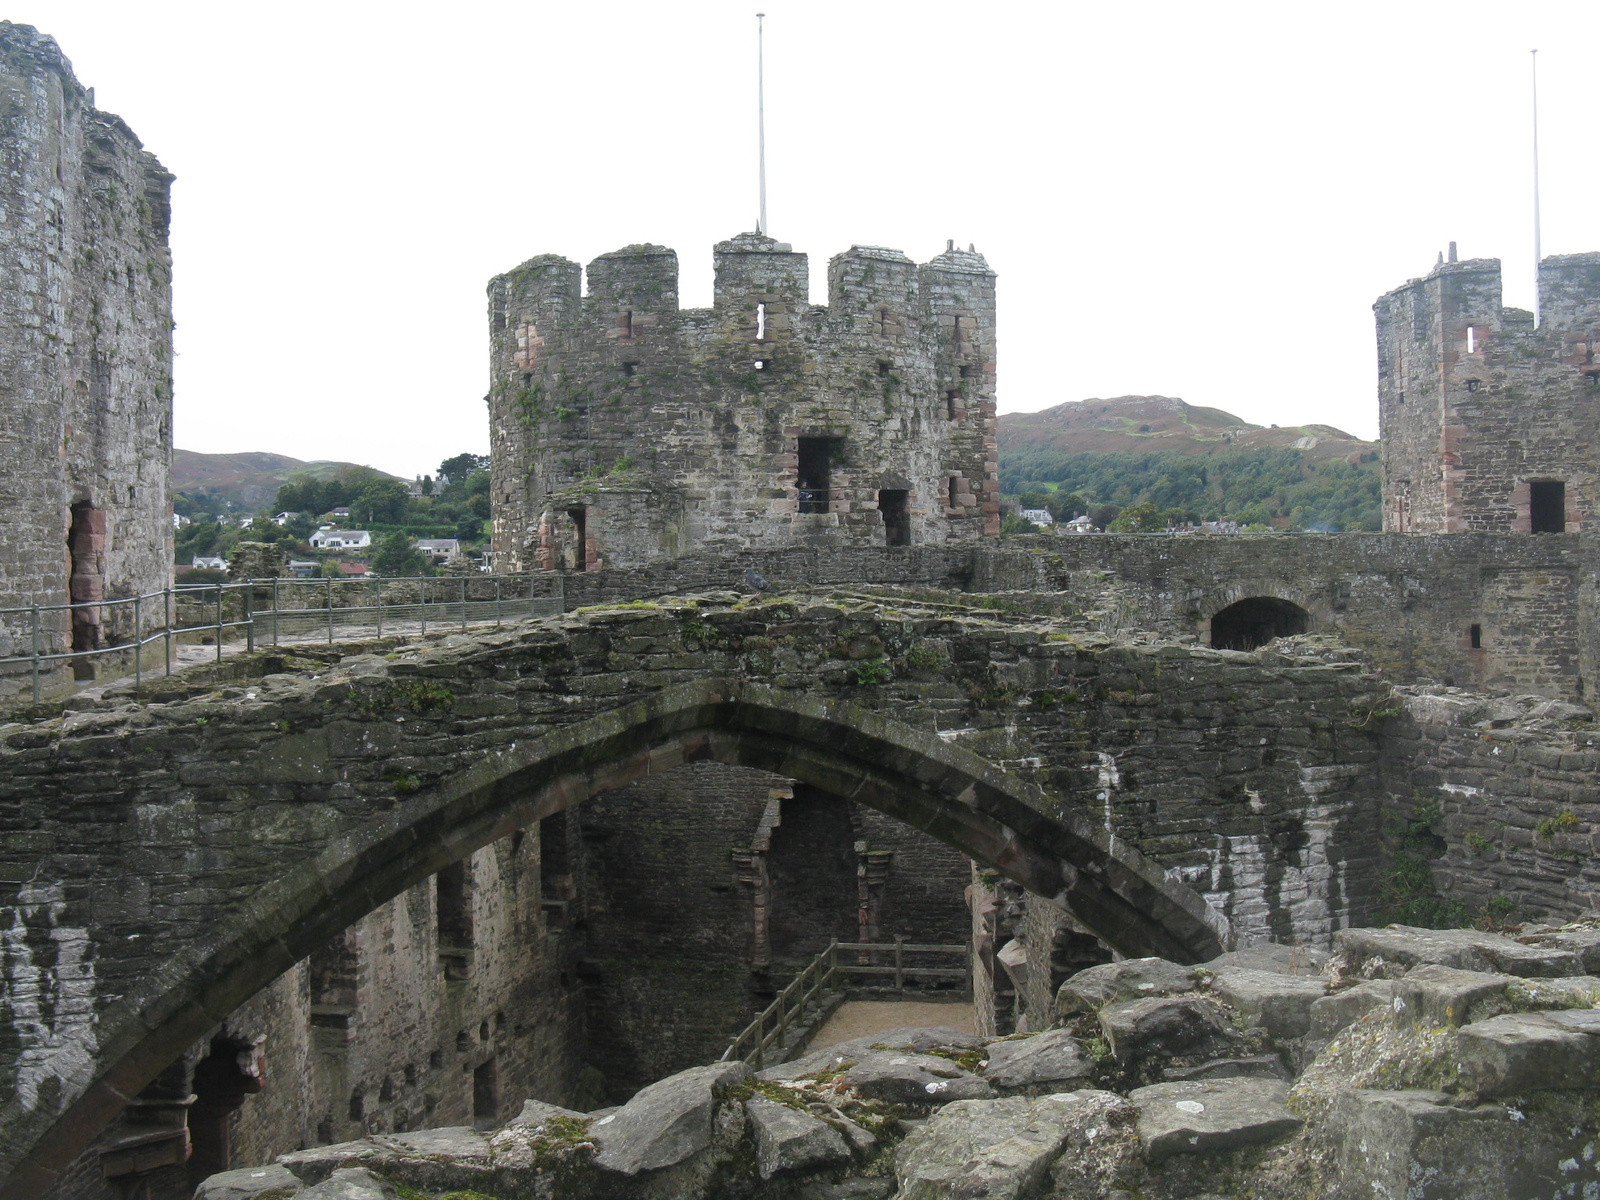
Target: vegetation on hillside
{"x": 1261, "y": 487}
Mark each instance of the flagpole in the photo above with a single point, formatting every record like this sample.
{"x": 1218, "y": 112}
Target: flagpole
{"x": 1536, "y": 249}
{"x": 761, "y": 116}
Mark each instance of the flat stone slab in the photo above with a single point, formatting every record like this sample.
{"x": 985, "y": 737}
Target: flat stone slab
{"x": 319, "y": 1162}
{"x": 1278, "y": 1003}
{"x": 536, "y": 1112}
{"x": 1338, "y": 1010}
{"x": 247, "y": 1183}
{"x": 666, "y": 1122}
{"x": 1274, "y": 957}
{"x": 1199, "y": 1116}
{"x": 790, "y": 1140}
{"x": 1130, "y": 979}
{"x": 1438, "y": 995}
{"x": 1165, "y": 1027}
{"x": 993, "y": 1149}
{"x": 917, "y": 1041}
{"x": 1254, "y": 1066}
{"x": 1041, "y": 1061}
{"x": 906, "y": 1078}
{"x": 460, "y": 1142}
{"x": 1585, "y": 943}
{"x": 1402, "y": 947}
{"x": 1526, "y": 1052}
{"x": 350, "y": 1183}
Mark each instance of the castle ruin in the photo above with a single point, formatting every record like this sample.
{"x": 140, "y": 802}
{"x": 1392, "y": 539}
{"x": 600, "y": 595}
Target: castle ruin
{"x": 85, "y": 357}
{"x": 625, "y": 429}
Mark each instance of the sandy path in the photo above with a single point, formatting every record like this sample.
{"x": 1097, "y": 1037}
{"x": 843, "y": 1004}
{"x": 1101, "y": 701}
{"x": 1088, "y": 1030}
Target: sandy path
{"x": 858, "y": 1018}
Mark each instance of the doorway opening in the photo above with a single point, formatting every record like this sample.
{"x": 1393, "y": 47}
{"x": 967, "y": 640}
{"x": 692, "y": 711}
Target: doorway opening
{"x": 815, "y": 479}
{"x": 1547, "y": 506}
{"x": 892, "y": 503}
{"x": 1251, "y": 623}
{"x": 580, "y": 526}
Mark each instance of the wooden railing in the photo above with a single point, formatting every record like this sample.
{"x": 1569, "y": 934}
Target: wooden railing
{"x": 779, "y": 1029}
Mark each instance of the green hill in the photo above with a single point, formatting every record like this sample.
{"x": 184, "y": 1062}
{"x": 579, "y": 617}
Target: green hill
{"x": 251, "y": 480}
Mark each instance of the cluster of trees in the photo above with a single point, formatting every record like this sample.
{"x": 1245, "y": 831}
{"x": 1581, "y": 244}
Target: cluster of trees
{"x": 1133, "y": 492}
{"x": 455, "y": 503}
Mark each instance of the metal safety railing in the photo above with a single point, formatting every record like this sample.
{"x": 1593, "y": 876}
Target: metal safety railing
{"x": 265, "y": 612}
{"x": 773, "y": 1029}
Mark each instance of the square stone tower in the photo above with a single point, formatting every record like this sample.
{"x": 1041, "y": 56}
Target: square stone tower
{"x": 85, "y": 357}
{"x": 1489, "y": 424}
{"x": 625, "y": 429}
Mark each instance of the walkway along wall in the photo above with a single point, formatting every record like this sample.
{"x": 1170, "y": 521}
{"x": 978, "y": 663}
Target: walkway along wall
{"x": 257, "y": 825}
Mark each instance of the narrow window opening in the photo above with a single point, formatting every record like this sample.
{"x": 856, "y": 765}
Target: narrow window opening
{"x": 628, "y": 368}
{"x": 625, "y": 324}
{"x": 883, "y": 322}
{"x": 1476, "y": 634}
{"x": 892, "y": 503}
{"x": 486, "y": 1094}
{"x": 815, "y": 477}
{"x": 579, "y": 558}
{"x": 1400, "y": 398}
{"x": 952, "y": 404}
{"x": 1474, "y": 384}
{"x": 358, "y": 1105}
{"x": 966, "y": 372}
{"x": 527, "y": 379}
{"x": 955, "y": 489}
{"x": 555, "y": 867}
{"x": 1547, "y": 506}
{"x": 1472, "y": 339}
{"x": 761, "y": 364}
{"x": 453, "y": 900}
{"x": 884, "y": 367}
{"x": 761, "y": 322}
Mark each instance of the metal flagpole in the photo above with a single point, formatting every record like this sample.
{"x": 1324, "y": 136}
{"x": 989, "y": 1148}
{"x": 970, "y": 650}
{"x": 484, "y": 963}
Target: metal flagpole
{"x": 761, "y": 116}
{"x": 1536, "y": 251}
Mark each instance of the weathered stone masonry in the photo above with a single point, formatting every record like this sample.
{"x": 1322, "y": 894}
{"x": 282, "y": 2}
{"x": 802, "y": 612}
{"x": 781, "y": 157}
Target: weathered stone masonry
{"x": 85, "y": 354}
{"x": 625, "y": 429}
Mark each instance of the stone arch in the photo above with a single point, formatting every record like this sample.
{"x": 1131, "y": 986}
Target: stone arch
{"x": 1000, "y": 820}
{"x": 1255, "y": 620}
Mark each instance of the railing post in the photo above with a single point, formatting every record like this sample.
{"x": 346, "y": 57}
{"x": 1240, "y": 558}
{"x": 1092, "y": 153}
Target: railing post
{"x": 899, "y": 963}
{"x": 380, "y": 610}
{"x": 422, "y": 592}
{"x": 761, "y": 1040}
{"x": 36, "y": 654}
{"x": 497, "y": 602}
{"x": 219, "y": 622}
{"x": 274, "y": 610}
{"x": 138, "y": 642}
{"x": 168, "y": 616}
{"x": 330, "y": 612}
{"x": 250, "y": 617}
{"x": 463, "y": 603}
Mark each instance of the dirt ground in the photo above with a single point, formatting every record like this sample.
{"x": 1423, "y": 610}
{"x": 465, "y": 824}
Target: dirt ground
{"x": 858, "y": 1018}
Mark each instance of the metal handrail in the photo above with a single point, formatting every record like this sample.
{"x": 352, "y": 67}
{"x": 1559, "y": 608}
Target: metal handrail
{"x": 179, "y": 603}
{"x": 789, "y": 1007}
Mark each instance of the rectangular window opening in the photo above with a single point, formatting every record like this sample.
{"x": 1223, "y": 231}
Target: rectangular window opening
{"x": 955, "y": 489}
{"x": 555, "y": 867}
{"x": 628, "y": 368}
{"x": 884, "y": 367}
{"x": 486, "y": 1094}
{"x": 966, "y": 372}
{"x": 893, "y": 504}
{"x": 1472, "y": 339}
{"x": 625, "y": 324}
{"x": 761, "y": 322}
{"x": 952, "y": 404}
{"x": 580, "y": 538}
{"x": 453, "y": 912}
{"x": 1476, "y": 634}
{"x": 815, "y": 478}
{"x": 1547, "y": 506}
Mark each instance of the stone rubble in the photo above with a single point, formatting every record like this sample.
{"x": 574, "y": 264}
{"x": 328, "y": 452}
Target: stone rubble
{"x": 1432, "y": 1079}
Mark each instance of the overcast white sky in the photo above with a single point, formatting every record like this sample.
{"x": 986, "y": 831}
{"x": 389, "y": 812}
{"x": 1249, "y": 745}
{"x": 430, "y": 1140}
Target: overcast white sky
{"x": 1196, "y": 200}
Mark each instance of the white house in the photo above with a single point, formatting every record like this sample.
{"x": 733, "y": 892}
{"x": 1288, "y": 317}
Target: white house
{"x": 284, "y": 518}
{"x": 1039, "y": 516}
{"x": 441, "y": 550}
{"x": 202, "y": 563}
{"x": 341, "y": 539}
{"x": 1080, "y": 524}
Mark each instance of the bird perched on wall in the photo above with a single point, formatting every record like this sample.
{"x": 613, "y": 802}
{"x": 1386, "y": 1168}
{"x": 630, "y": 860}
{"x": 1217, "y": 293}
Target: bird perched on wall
{"x": 755, "y": 581}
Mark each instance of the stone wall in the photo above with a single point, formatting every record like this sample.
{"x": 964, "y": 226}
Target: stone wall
{"x": 85, "y": 357}
{"x": 625, "y": 429}
{"x": 1476, "y": 404}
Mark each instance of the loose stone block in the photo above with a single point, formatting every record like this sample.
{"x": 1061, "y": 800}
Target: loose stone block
{"x": 1203, "y": 1115}
{"x": 790, "y": 1140}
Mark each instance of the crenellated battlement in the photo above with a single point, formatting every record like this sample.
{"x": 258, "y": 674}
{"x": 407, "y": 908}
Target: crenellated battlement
{"x": 632, "y": 429}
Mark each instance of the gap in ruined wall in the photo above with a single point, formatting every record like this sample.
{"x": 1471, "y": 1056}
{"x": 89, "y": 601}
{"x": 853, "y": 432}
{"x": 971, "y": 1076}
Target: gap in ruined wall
{"x": 1253, "y": 622}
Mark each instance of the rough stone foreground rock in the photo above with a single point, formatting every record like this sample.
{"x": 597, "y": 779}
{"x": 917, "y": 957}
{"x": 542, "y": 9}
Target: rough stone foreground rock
{"x": 666, "y": 1122}
{"x": 1168, "y": 1027}
{"x": 917, "y": 1041}
{"x": 1333, "y": 1013}
{"x": 994, "y": 1149}
{"x": 1527, "y": 1052}
{"x": 906, "y": 1078}
{"x": 1254, "y": 1066}
{"x": 1402, "y": 947}
{"x": 1130, "y": 979}
{"x": 1439, "y": 995}
{"x": 1415, "y": 1144}
{"x": 1271, "y": 956}
{"x": 536, "y": 1112}
{"x": 1203, "y": 1115}
{"x": 1042, "y": 1062}
{"x": 351, "y": 1183}
{"x": 790, "y": 1140}
{"x": 1585, "y": 943}
{"x": 456, "y": 1144}
{"x": 247, "y": 1184}
{"x": 1280, "y": 1004}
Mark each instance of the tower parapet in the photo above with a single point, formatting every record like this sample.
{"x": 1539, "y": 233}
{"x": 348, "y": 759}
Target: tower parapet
{"x": 626, "y": 429}
{"x": 1489, "y": 424}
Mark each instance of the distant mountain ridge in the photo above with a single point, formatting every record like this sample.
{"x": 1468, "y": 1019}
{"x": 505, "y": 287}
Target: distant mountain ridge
{"x": 1163, "y": 424}
{"x": 250, "y": 479}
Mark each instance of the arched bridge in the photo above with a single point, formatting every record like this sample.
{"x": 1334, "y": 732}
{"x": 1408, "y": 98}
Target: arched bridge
{"x": 168, "y": 859}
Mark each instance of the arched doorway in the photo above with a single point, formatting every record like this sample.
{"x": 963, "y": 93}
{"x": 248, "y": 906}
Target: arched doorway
{"x": 1253, "y": 622}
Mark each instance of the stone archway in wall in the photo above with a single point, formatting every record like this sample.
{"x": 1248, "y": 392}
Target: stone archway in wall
{"x": 1254, "y": 621}
{"x": 845, "y": 749}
